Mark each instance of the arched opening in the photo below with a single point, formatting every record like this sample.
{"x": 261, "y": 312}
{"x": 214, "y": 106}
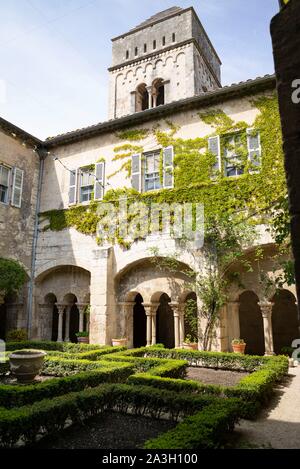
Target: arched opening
{"x": 141, "y": 98}
{"x": 165, "y": 323}
{"x": 3, "y": 314}
{"x": 251, "y": 324}
{"x": 284, "y": 320}
{"x": 191, "y": 317}
{"x": 139, "y": 323}
{"x": 158, "y": 92}
{"x": 52, "y": 311}
{"x": 71, "y": 318}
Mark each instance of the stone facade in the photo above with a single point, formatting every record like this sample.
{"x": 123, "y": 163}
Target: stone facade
{"x": 107, "y": 290}
{"x": 17, "y": 223}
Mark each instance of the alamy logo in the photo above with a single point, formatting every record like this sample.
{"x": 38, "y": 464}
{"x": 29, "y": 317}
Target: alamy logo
{"x": 296, "y": 92}
{"x": 132, "y": 221}
{"x": 296, "y": 353}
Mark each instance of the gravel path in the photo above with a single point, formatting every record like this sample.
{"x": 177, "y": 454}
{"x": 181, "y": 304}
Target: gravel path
{"x": 211, "y": 376}
{"x": 107, "y": 431}
{"x": 279, "y": 425}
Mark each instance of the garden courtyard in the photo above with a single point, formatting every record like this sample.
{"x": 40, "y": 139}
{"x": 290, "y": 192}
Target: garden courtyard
{"x": 88, "y": 396}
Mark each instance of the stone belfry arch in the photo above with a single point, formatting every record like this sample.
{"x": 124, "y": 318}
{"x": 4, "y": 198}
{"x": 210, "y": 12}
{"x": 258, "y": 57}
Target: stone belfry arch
{"x": 171, "y": 49}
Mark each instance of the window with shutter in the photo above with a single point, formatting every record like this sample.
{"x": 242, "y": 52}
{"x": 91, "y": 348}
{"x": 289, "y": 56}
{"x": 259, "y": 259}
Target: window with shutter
{"x": 215, "y": 148}
{"x": 100, "y": 180}
{"x": 16, "y": 199}
{"x": 4, "y": 183}
{"x": 136, "y": 168}
{"x": 151, "y": 171}
{"x": 73, "y": 187}
{"x": 254, "y": 149}
{"x": 86, "y": 184}
{"x": 233, "y": 164}
{"x": 168, "y": 167}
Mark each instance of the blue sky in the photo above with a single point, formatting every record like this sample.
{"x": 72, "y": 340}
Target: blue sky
{"x": 54, "y": 54}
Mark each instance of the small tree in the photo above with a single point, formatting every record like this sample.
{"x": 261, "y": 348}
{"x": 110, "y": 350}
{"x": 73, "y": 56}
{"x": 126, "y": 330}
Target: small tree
{"x": 12, "y": 276}
{"x": 226, "y": 237}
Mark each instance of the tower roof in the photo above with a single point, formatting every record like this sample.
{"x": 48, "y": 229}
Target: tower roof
{"x": 162, "y": 15}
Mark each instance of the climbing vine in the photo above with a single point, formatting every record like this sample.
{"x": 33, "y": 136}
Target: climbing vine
{"x": 254, "y": 192}
{"x": 12, "y": 276}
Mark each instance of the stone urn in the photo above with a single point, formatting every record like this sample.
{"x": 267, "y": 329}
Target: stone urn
{"x": 25, "y": 365}
{"x": 119, "y": 342}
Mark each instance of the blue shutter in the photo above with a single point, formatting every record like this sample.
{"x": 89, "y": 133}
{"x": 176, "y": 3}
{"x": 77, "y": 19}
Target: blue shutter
{"x": 254, "y": 149}
{"x": 73, "y": 187}
{"x": 168, "y": 167}
{"x": 214, "y": 146}
{"x": 99, "y": 181}
{"x": 136, "y": 172}
{"x": 16, "y": 199}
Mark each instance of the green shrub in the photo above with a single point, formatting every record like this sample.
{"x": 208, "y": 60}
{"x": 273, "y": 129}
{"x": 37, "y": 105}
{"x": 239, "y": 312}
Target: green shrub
{"x": 48, "y": 345}
{"x": 17, "y": 335}
{"x": 204, "y": 430}
{"x": 16, "y": 396}
{"x": 50, "y": 415}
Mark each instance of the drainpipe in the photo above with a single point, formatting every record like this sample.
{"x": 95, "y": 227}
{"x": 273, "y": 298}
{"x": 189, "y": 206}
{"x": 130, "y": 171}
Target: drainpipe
{"x": 42, "y": 155}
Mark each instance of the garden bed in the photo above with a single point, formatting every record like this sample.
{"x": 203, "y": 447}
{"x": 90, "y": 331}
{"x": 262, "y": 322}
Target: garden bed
{"x": 218, "y": 377}
{"x": 109, "y": 430}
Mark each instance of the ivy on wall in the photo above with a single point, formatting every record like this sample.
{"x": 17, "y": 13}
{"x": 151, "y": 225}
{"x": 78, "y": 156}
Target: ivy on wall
{"x": 194, "y": 179}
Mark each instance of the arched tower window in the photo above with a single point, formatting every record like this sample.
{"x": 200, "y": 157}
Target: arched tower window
{"x": 158, "y": 92}
{"x": 141, "y": 98}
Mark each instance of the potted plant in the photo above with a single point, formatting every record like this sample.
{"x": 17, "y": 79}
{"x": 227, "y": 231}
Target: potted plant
{"x": 82, "y": 337}
{"x": 121, "y": 342}
{"x": 238, "y": 345}
{"x": 190, "y": 343}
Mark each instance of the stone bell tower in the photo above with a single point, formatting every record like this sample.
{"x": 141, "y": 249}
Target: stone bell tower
{"x": 166, "y": 58}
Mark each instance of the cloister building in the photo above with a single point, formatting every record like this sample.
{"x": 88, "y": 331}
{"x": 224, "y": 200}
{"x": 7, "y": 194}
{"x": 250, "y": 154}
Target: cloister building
{"x": 164, "y": 73}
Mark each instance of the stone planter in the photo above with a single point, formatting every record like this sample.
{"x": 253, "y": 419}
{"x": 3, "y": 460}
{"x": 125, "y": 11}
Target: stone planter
{"x": 190, "y": 346}
{"x": 238, "y": 348}
{"x": 25, "y": 365}
{"x": 83, "y": 340}
{"x": 119, "y": 342}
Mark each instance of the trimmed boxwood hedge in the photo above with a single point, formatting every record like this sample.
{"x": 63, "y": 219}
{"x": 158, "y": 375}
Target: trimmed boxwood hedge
{"x": 204, "y": 430}
{"x": 16, "y": 396}
{"x": 51, "y": 415}
{"x": 48, "y": 345}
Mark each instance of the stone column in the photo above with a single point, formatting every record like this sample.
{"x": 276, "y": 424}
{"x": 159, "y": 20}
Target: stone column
{"x": 81, "y": 309}
{"x": 181, "y": 326}
{"x": 148, "y": 311}
{"x": 67, "y": 327}
{"x": 266, "y": 311}
{"x": 233, "y": 309}
{"x": 126, "y": 321}
{"x": 149, "y": 89}
{"x": 45, "y": 321}
{"x": 60, "y": 310}
{"x": 176, "y": 313}
{"x": 154, "y": 308}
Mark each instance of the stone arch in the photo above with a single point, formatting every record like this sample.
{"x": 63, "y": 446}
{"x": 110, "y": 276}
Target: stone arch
{"x": 285, "y": 322}
{"x": 69, "y": 284}
{"x": 139, "y": 322}
{"x": 251, "y": 323}
{"x": 158, "y": 90}
{"x": 164, "y": 321}
{"x": 141, "y": 98}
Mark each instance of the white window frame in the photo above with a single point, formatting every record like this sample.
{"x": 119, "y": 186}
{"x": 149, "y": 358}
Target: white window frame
{"x": 79, "y": 177}
{"x": 9, "y": 183}
{"x": 144, "y": 173}
{"x": 233, "y": 136}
